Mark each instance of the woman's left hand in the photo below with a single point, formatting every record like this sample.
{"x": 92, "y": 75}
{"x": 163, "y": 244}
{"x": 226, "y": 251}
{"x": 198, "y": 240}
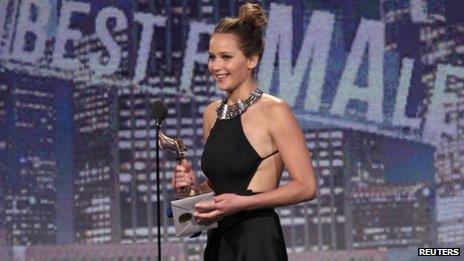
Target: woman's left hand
{"x": 221, "y": 206}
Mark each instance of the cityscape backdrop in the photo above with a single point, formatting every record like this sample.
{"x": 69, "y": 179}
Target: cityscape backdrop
{"x": 377, "y": 86}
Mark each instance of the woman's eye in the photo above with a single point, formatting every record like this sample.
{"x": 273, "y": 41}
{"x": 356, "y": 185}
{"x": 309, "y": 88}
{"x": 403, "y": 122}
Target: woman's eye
{"x": 226, "y": 57}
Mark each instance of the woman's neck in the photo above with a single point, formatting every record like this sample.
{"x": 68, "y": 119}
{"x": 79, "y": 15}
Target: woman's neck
{"x": 242, "y": 92}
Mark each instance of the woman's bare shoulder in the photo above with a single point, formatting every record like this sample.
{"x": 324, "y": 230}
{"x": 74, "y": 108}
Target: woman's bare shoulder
{"x": 209, "y": 117}
{"x": 272, "y": 105}
{"x": 277, "y": 115}
{"x": 210, "y": 109}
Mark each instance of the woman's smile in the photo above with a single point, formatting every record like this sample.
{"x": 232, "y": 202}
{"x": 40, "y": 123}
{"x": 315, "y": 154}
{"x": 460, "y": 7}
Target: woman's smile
{"x": 221, "y": 77}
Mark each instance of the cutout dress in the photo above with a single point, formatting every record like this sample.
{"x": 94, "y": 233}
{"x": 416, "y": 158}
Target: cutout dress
{"x": 229, "y": 161}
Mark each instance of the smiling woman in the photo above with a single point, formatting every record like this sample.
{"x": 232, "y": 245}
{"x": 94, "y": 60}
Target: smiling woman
{"x": 250, "y": 136}
{"x": 227, "y": 62}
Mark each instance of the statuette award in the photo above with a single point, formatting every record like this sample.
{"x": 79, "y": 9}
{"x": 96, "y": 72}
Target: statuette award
{"x": 183, "y": 208}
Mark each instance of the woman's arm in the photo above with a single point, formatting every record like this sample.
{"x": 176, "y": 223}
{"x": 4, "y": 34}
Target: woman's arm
{"x": 288, "y": 136}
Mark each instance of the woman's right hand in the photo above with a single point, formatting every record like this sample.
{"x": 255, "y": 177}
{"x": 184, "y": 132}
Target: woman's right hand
{"x": 183, "y": 176}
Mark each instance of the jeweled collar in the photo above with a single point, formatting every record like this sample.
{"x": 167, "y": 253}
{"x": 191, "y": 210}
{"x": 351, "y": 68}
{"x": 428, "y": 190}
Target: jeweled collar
{"x": 226, "y": 112}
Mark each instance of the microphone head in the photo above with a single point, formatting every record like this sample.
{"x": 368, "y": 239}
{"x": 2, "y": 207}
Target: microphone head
{"x": 159, "y": 110}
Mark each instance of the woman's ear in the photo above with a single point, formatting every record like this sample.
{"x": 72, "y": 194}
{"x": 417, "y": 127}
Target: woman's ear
{"x": 252, "y": 61}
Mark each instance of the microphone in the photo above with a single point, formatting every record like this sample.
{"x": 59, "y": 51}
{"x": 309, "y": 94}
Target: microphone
{"x": 159, "y": 110}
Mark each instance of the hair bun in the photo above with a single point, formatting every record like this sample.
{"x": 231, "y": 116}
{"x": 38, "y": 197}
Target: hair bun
{"x": 252, "y": 14}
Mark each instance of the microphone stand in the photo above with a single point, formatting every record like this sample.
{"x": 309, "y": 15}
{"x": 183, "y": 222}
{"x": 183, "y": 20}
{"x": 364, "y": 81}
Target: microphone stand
{"x": 159, "y": 112}
{"x": 158, "y": 207}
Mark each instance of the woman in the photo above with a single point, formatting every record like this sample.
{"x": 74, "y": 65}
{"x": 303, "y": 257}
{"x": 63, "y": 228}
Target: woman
{"x": 250, "y": 136}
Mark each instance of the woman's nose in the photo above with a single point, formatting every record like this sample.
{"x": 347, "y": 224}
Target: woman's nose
{"x": 215, "y": 65}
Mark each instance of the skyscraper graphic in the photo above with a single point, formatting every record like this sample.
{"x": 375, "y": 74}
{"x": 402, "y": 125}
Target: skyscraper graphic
{"x": 449, "y": 165}
{"x": 29, "y": 182}
{"x": 3, "y": 152}
{"x": 442, "y": 42}
{"x": 338, "y": 159}
{"x": 382, "y": 214}
{"x": 450, "y": 192}
{"x": 391, "y": 216}
{"x": 355, "y": 206}
{"x": 96, "y": 206}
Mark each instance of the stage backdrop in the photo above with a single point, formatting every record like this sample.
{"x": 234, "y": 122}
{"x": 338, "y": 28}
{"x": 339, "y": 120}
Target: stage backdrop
{"x": 377, "y": 86}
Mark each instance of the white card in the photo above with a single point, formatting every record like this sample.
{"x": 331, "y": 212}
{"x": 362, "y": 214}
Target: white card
{"x": 182, "y": 210}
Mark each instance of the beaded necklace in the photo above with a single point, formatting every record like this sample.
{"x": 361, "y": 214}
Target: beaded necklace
{"x": 226, "y": 112}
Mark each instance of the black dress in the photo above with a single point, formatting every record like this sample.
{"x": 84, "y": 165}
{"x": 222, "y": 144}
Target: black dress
{"x": 229, "y": 161}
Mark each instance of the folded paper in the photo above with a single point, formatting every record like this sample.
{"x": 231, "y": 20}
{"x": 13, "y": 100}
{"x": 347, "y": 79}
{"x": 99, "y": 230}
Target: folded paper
{"x": 184, "y": 221}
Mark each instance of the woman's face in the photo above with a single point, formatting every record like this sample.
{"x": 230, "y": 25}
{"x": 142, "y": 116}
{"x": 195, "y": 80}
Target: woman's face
{"x": 227, "y": 63}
